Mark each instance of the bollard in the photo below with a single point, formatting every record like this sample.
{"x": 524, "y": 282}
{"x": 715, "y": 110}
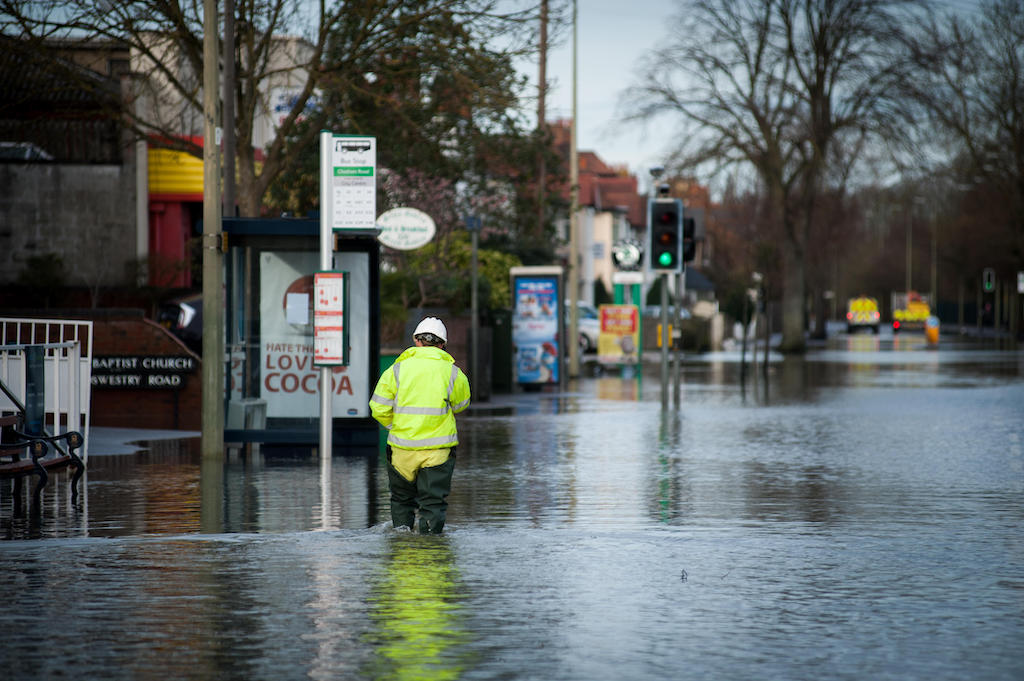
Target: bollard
{"x": 931, "y": 330}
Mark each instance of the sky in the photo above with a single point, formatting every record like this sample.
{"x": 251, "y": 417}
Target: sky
{"x": 612, "y": 35}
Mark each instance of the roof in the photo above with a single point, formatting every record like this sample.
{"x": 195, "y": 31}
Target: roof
{"x": 695, "y": 281}
{"x": 66, "y": 111}
{"x": 604, "y": 187}
{"x": 34, "y": 82}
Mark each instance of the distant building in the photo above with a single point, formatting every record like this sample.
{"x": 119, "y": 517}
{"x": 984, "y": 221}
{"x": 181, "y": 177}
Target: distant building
{"x": 76, "y": 183}
{"x": 611, "y": 209}
{"x": 67, "y": 173}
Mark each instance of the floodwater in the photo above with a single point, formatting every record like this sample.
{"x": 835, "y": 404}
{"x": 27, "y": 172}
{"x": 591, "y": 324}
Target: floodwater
{"x": 855, "y": 514}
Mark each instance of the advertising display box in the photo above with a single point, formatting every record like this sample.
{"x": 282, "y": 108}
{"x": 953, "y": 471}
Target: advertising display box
{"x": 538, "y": 325}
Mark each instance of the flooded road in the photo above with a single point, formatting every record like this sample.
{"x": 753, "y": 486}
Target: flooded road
{"x": 855, "y": 514}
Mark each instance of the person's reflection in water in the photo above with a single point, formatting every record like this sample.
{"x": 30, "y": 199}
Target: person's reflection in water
{"x": 417, "y": 611}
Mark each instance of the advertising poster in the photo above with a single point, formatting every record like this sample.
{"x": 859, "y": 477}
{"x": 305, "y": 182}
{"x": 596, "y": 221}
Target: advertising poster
{"x": 330, "y": 330}
{"x": 289, "y": 378}
{"x": 352, "y": 394}
{"x": 619, "y": 340}
{"x": 536, "y": 329}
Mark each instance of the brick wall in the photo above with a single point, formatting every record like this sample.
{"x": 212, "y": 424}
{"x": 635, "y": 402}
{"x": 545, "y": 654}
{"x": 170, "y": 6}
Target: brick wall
{"x": 163, "y": 408}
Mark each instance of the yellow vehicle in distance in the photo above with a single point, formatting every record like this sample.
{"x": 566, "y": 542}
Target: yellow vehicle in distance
{"x": 862, "y": 313}
{"x": 910, "y": 311}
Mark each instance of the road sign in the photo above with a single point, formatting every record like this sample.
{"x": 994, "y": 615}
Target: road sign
{"x": 349, "y": 181}
{"x": 627, "y": 254}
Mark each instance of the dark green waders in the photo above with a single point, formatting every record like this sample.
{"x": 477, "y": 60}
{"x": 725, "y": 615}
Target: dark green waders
{"x": 428, "y": 493}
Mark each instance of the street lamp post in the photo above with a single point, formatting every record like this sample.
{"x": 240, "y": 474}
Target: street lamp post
{"x": 935, "y": 268}
{"x": 473, "y": 226}
{"x": 910, "y": 243}
{"x": 574, "y": 209}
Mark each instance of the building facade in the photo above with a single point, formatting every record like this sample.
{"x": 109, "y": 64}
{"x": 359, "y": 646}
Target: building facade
{"x": 83, "y": 191}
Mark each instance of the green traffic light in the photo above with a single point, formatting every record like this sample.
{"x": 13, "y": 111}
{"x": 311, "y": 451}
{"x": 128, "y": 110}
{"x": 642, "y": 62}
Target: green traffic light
{"x": 665, "y": 259}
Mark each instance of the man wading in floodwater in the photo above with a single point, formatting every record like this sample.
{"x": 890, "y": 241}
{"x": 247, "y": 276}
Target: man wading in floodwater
{"x": 416, "y": 399}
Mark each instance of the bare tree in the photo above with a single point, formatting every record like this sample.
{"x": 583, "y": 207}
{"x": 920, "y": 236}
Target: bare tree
{"x": 782, "y": 87}
{"x": 285, "y": 52}
{"x": 971, "y": 88}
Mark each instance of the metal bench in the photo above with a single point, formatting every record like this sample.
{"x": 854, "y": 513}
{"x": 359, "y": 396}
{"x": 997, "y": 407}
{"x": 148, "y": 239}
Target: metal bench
{"x": 23, "y": 454}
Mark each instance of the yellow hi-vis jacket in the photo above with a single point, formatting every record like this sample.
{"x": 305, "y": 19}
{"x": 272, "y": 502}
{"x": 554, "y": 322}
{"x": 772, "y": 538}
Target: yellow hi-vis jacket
{"x": 417, "y": 398}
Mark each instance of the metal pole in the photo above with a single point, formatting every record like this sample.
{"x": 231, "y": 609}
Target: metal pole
{"x": 676, "y": 362}
{"x": 767, "y": 339}
{"x": 743, "y": 344}
{"x": 142, "y": 209}
{"x": 229, "y": 107}
{"x": 1012, "y": 309}
{"x": 326, "y": 263}
{"x": 475, "y": 317}
{"x": 935, "y": 270}
{"x": 910, "y": 242}
{"x": 326, "y": 409}
{"x": 960, "y": 303}
{"x": 756, "y": 318}
{"x": 664, "y": 340}
{"x": 212, "y": 443}
{"x": 574, "y": 223}
{"x": 979, "y": 299}
{"x": 997, "y": 312}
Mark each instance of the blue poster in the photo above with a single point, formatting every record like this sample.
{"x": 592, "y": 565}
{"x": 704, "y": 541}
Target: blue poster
{"x": 536, "y": 329}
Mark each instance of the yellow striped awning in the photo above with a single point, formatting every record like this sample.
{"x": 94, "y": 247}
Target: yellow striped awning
{"x": 175, "y": 173}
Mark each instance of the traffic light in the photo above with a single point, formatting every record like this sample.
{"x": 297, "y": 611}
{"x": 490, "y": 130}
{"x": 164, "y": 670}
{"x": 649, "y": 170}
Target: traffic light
{"x": 665, "y": 229}
{"x": 689, "y": 239}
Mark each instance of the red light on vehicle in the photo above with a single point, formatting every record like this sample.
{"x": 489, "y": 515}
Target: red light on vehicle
{"x": 895, "y": 325}
{"x": 849, "y": 315}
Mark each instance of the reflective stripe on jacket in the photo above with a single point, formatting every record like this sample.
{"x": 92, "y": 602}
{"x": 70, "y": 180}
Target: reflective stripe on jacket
{"x": 417, "y": 398}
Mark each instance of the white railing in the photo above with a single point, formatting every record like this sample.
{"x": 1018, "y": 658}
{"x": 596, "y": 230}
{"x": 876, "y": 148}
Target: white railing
{"x": 67, "y": 352}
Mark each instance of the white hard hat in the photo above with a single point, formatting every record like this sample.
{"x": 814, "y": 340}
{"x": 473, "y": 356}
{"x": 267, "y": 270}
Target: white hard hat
{"x": 432, "y": 325}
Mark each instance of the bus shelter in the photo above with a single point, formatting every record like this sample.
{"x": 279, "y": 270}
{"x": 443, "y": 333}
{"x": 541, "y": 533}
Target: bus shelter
{"x": 272, "y": 391}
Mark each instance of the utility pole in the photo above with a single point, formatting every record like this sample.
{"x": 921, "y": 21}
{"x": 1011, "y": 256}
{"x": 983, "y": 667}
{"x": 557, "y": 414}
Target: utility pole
{"x": 542, "y": 94}
{"x": 212, "y": 443}
{"x": 229, "y": 108}
{"x": 574, "y": 223}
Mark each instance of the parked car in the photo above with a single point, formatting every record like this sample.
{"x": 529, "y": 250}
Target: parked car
{"x": 184, "y": 318}
{"x": 589, "y": 325}
{"x": 654, "y": 311}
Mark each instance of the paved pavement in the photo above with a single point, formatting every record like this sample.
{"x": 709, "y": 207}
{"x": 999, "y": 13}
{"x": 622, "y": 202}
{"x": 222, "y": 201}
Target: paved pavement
{"x": 103, "y": 440}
